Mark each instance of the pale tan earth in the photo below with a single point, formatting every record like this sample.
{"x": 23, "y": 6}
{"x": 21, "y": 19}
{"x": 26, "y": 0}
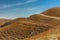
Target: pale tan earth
{"x": 36, "y": 27}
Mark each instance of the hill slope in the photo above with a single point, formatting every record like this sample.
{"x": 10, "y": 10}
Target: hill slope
{"x": 35, "y": 27}
{"x": 25, "y": 28}
{"x": 53, "y": 12}
{"x": 3, "y": 21}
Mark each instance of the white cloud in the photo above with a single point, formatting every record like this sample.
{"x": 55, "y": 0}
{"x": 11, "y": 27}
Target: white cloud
{"x": 11, "y": 5}
{"x": 31, "y": 9}
{"x": 29, "y": 1}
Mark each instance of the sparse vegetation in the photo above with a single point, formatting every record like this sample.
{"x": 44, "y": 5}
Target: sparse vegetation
{"x": 45, "y": 28}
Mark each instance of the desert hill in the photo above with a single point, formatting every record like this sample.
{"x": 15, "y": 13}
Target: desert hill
{"x": 35, "y": 27}
{"x": 53, "y": 12}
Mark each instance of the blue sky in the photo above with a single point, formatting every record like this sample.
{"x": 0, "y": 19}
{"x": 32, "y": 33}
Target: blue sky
{"x": 24, "y": 8}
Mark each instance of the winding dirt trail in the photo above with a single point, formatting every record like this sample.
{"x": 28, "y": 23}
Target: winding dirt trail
{"x": 50, "y": 16}
{"x": 52, "y": 34}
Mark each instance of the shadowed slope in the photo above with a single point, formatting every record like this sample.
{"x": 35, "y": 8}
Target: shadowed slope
{"x": 52, "y": 34}
{"x": 3, "y": 21}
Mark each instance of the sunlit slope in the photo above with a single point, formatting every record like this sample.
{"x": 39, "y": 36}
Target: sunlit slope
{"x": 22, "y": 28}
{"x": 53, "y": 12}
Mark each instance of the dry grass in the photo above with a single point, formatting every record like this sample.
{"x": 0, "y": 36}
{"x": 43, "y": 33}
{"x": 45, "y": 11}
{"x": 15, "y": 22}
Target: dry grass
{"x": 53, "y": 12}
{"x": 19, "y": 29}
{"x": 35, "y": 27}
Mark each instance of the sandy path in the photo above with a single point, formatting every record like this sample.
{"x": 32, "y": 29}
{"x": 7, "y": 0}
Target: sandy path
{"x": 50, "y": 16}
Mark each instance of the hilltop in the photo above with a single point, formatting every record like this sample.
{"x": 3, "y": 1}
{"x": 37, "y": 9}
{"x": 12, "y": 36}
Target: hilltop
{"x": 53, "y": 12}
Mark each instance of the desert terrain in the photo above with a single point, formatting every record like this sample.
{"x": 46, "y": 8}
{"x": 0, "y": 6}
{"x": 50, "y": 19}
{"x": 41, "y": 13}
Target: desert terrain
{"x": 41, "y": 26}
